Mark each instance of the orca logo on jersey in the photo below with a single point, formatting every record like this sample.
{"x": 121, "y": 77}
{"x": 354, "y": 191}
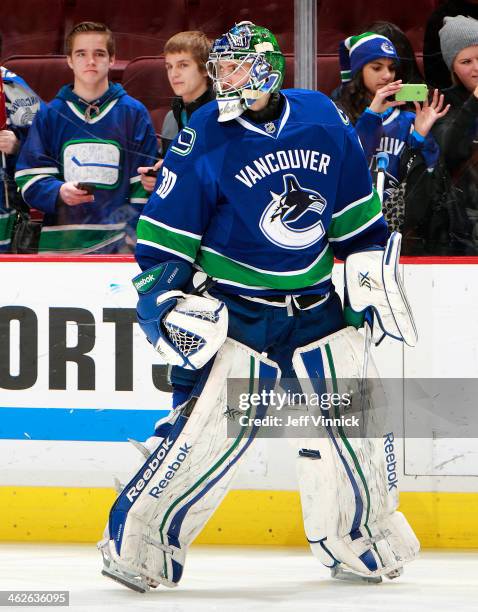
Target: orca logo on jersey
{"x": 290, "y": 219}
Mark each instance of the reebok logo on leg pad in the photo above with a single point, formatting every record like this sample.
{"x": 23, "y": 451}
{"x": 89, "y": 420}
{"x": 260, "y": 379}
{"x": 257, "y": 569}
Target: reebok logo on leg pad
{"x": 154, "y": 464}
{"x": 172, "y": 469}
{"x": 391, "y": 461}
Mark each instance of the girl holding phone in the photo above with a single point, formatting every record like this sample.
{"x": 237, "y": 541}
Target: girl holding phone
{"x": 370, "y": 66}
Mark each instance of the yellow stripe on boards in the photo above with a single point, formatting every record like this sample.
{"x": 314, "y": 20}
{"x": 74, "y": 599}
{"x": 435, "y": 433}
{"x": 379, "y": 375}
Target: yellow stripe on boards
{"x": 442, "y": 520}
{"x": 259, "y": 518}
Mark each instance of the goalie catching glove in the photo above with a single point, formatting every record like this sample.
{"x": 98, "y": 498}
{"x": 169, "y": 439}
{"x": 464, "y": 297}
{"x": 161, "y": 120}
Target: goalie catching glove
{"x": 373, "y": 283}
{"x": 186, "y": 330}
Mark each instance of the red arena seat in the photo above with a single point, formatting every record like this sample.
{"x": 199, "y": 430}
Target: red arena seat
{"x": 215, "y": 17}
{"x": 334, "y": 25}
{"x": 44, "y": 73}
{"x": 145, "y": 78}
{"x": 328, "y": 72}
{"x": 140, "y": 27}
{"x": 33, "y": 27}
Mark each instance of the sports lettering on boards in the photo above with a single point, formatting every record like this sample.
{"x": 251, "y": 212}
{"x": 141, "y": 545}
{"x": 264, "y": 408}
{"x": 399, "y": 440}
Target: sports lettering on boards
{"x": 24, "y": 352}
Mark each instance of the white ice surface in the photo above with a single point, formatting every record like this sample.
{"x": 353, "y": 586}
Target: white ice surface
{"x": 230, "y": 579}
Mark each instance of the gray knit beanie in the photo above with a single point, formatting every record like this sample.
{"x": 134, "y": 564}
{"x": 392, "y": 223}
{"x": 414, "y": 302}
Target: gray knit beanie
{"x": 456, "y": 34}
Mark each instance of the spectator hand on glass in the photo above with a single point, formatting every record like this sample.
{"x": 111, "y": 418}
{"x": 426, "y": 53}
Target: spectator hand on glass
{"x": 429, "y": 113}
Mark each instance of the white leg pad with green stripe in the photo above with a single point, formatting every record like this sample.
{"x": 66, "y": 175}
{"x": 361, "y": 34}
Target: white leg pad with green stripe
{"x": 349, "y": 499}
{"x": 169, "y": 500}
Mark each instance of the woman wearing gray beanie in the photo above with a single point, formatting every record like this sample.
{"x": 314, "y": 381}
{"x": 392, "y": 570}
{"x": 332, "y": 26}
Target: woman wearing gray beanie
{"x": 457, "y": 132}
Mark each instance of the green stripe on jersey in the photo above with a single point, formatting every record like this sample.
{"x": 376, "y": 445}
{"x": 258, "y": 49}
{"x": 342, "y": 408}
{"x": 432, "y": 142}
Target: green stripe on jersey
{"x": 167, "y": 238}
{"x": 136, "y": 190}
{"x": 353, "y": 219}
{"x": 221, "y": 267}
{"x": 7, "y": 221}
{"x": 77, "y": 240}
{"x": 21, "y": 181}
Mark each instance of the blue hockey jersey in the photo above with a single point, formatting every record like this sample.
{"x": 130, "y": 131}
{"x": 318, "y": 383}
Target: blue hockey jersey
{"x": 22, "y": 104}
{"x": 391, "y": 132}
{"x": 100, "y": 143}
{"x": 263, "y": 208}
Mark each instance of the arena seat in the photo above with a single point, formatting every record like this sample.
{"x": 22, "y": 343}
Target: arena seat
{"x": 33, "y": 27}
{"x": 145, "y": 78}
{"x": 140, "y": 27}
{"x": 334, "y": 25}
{"x": 44, "y": 73}
{"x": 215, "y": 17}
{"x": 328, "y": 72}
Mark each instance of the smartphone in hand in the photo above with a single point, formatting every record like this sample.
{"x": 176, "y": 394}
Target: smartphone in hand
{"x": 151, "y": 172}
{"x": 88, "y": 187}
{"x": 412, "y": 92}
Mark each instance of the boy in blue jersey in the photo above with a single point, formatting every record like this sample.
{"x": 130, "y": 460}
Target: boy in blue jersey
{"x": 79, "y": 163}
{"x": 258, "y": 192}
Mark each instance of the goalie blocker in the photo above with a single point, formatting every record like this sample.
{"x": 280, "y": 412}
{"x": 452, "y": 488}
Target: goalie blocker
{"x": 373, "y": 285}
{"x": 186, "y": 330}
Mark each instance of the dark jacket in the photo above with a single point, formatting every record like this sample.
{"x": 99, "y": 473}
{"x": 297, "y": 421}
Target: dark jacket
{"x": 456, "y": 132}
{"x": 178, "y": 117}
{"x": 452, "y": 223}
{"x": 436, "y": 71}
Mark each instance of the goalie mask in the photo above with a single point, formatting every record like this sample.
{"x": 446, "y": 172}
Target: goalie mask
{"x": 244, "y": 65}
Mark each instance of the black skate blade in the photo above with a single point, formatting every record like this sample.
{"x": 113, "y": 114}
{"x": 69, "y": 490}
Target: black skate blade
{"x": 133, "y": 585}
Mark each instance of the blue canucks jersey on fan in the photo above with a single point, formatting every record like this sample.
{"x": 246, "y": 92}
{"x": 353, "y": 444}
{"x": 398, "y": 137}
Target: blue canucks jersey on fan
{"x": 263, "y": 208}
{"x": 100, "y": 143}
{"x": 22, "y": 103}
{"x": 391, "y": 132}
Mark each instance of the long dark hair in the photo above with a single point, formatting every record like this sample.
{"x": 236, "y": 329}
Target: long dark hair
{"x": 354, "y": 97}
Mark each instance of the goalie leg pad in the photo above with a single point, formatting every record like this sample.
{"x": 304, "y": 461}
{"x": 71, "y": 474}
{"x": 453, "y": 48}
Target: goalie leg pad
{"x": 169, "y": 500}
{"x": 349, "y": 508}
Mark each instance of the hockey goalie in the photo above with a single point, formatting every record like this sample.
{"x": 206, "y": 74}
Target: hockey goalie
{"x": 258, "y": 194}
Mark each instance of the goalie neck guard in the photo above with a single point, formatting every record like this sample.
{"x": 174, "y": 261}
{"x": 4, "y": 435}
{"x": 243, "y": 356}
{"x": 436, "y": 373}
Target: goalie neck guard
{"x": 245, "y": 64}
